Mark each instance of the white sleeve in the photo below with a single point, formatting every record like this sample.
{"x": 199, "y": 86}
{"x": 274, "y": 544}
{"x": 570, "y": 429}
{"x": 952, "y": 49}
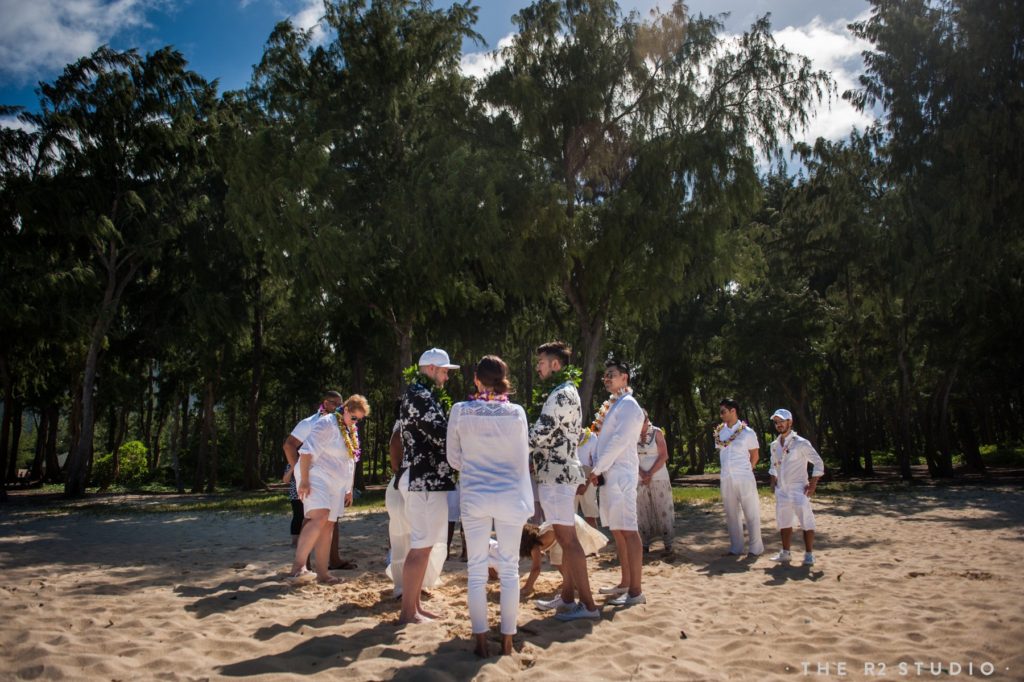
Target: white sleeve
{"x": 454, "y": 443}
{"x": 750, "y": 439}
{"x": 814, "y": 458}
{"x": 313, "y": 443}
{"x": 627, "y": 432}
{"x": 772, "y": 470}
{"x": 586, "y": 451}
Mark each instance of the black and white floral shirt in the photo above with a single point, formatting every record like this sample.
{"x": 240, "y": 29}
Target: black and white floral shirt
{"x": 424, "y": 440}
{"x": 555, "y": 436}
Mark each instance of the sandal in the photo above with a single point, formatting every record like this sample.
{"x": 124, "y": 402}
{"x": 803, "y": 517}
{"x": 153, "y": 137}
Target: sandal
{"x": 344, "y": 565}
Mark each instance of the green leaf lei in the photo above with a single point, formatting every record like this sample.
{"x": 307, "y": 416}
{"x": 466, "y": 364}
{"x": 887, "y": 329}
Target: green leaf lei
{"x": 542, "y": 390}
{"x": 412, "y": 375}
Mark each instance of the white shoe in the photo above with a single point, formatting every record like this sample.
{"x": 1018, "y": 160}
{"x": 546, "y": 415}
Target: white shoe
{"x": 782, "y": 556}
{"x": 625, "y": 600}
{"x": 578, "y": 612}
{"x": 548, "y": 604}
{"x": 613, "y": 590}
{"x": 808, "y": 559}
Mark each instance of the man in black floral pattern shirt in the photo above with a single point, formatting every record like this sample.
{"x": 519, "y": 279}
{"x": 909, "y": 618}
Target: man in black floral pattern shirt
{"x": 427, "y": 477}
{"x": 559, "y": 475}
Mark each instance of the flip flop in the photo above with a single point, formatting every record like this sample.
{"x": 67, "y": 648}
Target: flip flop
{"x": 329, "y": 580}
{"x": 301, "y": 577}
{"x": 345, "y": 565}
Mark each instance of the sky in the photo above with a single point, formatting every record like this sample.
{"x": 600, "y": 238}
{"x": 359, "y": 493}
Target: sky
{"x": 223, "y": 39}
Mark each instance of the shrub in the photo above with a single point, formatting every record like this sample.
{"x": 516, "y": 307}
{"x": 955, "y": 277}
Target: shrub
{"x": 133, "y": 470}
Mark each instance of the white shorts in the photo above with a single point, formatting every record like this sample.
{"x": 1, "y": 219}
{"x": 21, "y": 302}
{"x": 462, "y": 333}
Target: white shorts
{"x": 453, "y": 506}
{"x": 322, "y": 495}
{"x": 587, "y": 502}
{"x": 618, "y": 500}
{"x": 793, "y": 506}
{"x": 558, "y": 502}
{"x": 427, "y": 514}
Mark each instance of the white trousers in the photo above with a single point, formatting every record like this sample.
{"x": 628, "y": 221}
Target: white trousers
{"x": 740, "y": 495}
{"x": 478, "y": 535}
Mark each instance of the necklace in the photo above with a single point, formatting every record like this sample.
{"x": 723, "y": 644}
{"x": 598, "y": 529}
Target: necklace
{"x": 349, "y": 434}
{"x": 726, "y": 443}
{"x": 489, "y": 396}
{"x": 599, "y": 416}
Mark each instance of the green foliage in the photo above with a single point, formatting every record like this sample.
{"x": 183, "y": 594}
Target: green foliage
{"x": 132, "y": 469}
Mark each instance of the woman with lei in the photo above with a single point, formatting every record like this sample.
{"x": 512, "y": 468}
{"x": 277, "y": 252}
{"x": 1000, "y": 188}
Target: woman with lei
{"x": 489, "y": 446}
{"x": 324, "y": 480}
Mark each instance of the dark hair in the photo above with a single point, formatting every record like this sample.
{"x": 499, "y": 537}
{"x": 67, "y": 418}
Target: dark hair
{"x": 331, "y": 394}
{"x": 493, "y": 374}
{"x": 556, "y": 349}
{"x": 730, "y": 403}
{"x": 529, "y": 540}
{"x": 619, "y": 365}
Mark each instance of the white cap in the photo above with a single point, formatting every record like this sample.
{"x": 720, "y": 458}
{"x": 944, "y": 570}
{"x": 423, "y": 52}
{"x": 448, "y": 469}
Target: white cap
{"x": 783, "y": 413}
{"x": 438, "y": 358}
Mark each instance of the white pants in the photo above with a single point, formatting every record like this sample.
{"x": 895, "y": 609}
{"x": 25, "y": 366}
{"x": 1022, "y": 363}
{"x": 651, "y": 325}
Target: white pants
{"x": 478, "y": 535}
{"x": 740, "y": 494}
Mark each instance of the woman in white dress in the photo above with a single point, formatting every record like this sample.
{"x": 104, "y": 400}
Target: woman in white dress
{"x": 488, "y": 444}
{"x": 654, "y": 506}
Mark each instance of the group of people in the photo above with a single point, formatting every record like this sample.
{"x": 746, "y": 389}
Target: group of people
{"x": 504, "y": 467}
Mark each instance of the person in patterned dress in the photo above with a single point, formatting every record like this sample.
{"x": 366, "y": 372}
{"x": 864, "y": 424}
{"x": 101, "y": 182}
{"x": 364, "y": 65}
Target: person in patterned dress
{"x": 426, "y": 479}
{"x": 655, "y": 509}
{"x": 559, "y": 476}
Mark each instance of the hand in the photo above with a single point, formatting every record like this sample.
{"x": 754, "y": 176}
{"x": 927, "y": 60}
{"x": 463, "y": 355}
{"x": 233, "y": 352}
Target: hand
{"x": 526, "y": 591}
{"x": 581, "y": 489}
{"x": 810, "y": 488}
{"x": 348, "y": 499}
{"x": 593, "y": 479}
{"x": 287, "y": 476}
{"x": 303, "y": 490}
{"x": 645, "y": 479}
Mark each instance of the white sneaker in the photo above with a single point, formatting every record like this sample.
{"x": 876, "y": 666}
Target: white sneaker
{"x": 783, "y": 555}
{"x": 548, "y": 604}
{"x": 808, "y": 559}
{"x": 578, "y": 612}
{"x": 613, "y": 590}
{"x": 625, "y": 600}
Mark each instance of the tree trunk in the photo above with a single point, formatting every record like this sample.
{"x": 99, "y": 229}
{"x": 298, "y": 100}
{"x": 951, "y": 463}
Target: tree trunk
{"x": 904, "y": 438}
{"x": 210, "y": 429}
{"x": 178, "y": 437}
{"x": 161, "y": 421}
{"x": 969, "y": 441}
{"x": 12, "y": 457}
{"x": 42, "y": 425}
{"x": 53, "y": 472}
{"x": 147, "y": 412}
{"x": 251, "y": 475}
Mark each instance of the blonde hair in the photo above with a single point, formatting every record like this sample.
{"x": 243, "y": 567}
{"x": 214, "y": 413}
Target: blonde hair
{"x": 358, "y": 402}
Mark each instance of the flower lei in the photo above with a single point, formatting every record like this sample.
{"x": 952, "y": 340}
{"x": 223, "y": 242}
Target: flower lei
{"x": 785, "y": 448}
{"x": 599, "y": 416}
{"x": 412, "y": 375}
{"x": 737, "y": 432}
{"x": 349, "y": 434}
{"x": 489, "y": 396}
{"x": 322, "y": 410}
{"x": 541, "y": 391}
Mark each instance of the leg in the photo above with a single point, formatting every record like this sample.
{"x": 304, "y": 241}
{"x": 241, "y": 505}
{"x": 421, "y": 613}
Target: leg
{"x": 462, "y": 535}
{"x": 568, "y": 591}
{"x": 634, "y": 550}
{"x": 731, "y": 504}
{"x": 645, "y": 514}
{"x": 478, "y": 535}
{"x": 508, "y": 536}
{"x": 308, "y": 538}
{"x": 413, "y": 570}
{"x": 622, "y": 551}
{"x": 323, "y": 550}
{"x": 752, "y": 514}
{"x": 574, "y": 567}
{"x": 333, "y": 549}
{"x": 451, "y": 534}
{"x": 808, "y": 540}
{"x": 787, "y": 537}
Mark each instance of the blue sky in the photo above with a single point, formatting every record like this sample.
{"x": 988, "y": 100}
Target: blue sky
{"x": 223, "y": 38}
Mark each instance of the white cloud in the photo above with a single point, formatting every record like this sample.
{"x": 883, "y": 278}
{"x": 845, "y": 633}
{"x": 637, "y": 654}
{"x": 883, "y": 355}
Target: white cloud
{"x": 43, "y": 35}
{"x": 831, "y": 47}
{"x": 16, "y": 123}
{"x": 309, "y": 17}
{"x": 480, "y": 64}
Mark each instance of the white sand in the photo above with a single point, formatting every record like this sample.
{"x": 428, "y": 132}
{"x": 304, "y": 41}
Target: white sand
{"x": 933, "y": 578}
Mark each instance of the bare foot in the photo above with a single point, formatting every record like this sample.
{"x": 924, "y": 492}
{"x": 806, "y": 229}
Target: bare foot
{"x": 412, "y": 620}
{"x": 506, "y": 645}
{"x": 327, "y": 579}
{"x": 428, "y": 615}
{"x": 481, "y": 649}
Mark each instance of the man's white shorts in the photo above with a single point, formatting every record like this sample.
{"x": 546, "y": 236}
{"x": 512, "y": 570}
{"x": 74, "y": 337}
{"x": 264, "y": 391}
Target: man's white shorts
{"x": 427, "y": 513}
{"x": 618, "y": 500}
{"x": 793, "y": 505}
{"x": 325, "y": 495}
{"x": 558, "y": 502}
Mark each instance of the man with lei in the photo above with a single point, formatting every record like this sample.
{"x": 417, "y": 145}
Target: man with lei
{"x": 738, "y": 453}
{"x": 790, "y": 455}
{"x": 427, "y": 477}
{"x": 559, "y": 476}
{"x": 617, "y": 471}
{"x": 324, "y": 480}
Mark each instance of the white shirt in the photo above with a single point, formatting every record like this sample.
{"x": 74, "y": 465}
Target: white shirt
{"x": 735, "y": 458}
{"x": 488, "y": 444}
{"x": 302, "y": 429}
{"x": 647, "y": 451}
{"x": 331, "y": 463}
{"x": 789, "y": 464}
{"x": 616, "y": 447}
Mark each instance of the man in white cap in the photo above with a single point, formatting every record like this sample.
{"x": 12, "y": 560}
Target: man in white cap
{"x": 790, "y": 455}
{"x": 738, "y": 452}
{"x": 427, "y": 476}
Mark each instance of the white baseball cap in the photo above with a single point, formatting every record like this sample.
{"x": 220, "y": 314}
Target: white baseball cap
{"x": 783, "y": 413}
{"x": 438, "y": 358}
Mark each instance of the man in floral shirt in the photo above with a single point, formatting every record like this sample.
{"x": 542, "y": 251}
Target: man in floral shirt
{"x": 427, "y": 476}
{"x": 559, "y": 474}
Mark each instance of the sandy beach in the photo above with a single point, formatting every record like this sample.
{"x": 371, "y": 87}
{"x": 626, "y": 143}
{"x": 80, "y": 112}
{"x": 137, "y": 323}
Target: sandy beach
{"x": 908, "y": 585}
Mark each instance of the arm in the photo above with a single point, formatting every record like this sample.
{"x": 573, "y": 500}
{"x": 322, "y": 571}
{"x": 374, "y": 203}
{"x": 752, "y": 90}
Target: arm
{"x": 395, "y": 450}
{"x": 534, "y": 571}
{"x": 754, "y": 456}
{"x": 291, "y": 453}
{"x": 659, "y": 440}
{"x": 454, "y": 443}
{"x": 626, "y": 434}
{"x": 773, "y": 471}
{"x": 543, "y": 431}
{"x": 817, "y": 472}
{"x": 305, "y": 460}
